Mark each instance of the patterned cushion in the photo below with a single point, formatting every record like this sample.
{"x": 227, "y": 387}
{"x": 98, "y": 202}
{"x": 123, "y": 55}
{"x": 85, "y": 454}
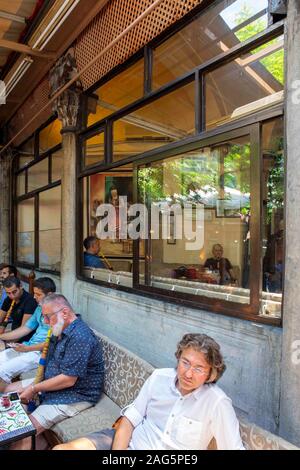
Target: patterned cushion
{"x": 125, "y": 373}
{"x": 93, "y": 419}
{"x": 256, "y": 438}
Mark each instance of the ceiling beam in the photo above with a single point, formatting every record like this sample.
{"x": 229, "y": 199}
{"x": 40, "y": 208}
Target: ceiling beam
{"x": 9, "y": 16}
{"x": 24, "y": 49}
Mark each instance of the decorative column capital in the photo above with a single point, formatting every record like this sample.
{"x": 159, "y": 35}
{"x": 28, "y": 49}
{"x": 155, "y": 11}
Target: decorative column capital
{"x": 67, "y": 105}
{"x": 277, "y": 10}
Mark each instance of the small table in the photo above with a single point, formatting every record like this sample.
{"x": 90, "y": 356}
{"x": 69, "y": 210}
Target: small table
{"x": 15, "y": 425}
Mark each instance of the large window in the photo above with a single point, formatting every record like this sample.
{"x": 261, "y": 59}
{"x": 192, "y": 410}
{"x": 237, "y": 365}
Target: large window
{"x": 182, "y": 166}
{"x": 38, "y": 200}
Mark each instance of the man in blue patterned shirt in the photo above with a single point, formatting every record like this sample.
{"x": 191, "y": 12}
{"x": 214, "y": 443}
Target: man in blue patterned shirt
{"x": 74, "y": 368}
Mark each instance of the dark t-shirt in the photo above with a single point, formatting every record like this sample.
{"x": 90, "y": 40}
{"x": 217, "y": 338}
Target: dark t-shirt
{"x": 26, "y": 304}
{"x": 222, "y": 265}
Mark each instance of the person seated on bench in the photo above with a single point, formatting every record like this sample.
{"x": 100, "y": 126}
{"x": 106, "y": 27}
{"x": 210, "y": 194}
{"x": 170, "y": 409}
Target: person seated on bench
{"x": 180, "y": 409}
{"x": 25, "y": 356}
{"x": 6, "y": 270}
{"x": 221, "y": 265}
{"x": 19, "y": 305}
{"x": 74, "y": 370}
{"x": 91, "y": 258}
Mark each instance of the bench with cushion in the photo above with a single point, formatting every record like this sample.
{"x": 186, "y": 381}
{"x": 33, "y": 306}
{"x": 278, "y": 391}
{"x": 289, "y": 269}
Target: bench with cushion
{"x": 125, "y": 374}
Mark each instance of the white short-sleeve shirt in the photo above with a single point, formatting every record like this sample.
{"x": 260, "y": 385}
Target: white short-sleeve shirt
{"x": 165, "y": 419}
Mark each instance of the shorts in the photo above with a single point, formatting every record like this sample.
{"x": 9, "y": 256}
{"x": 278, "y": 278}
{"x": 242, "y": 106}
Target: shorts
{"x": 102, "y": 440}
{"x": 49, "y": 415}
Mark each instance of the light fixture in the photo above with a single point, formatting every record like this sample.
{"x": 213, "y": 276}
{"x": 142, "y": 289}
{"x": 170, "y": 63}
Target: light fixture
{"x": 59, "y": 18}
{"x": 17, "y": 75}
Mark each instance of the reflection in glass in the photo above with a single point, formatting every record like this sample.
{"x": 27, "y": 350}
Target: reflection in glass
{"x": 50, "y": 136}
{"x": 50, "y": 229}
{"x": 38, "y": 175}
{"x": 222, "y": 26}
{"x": 94, "y": 150}
{"x": 25, "y": 232}
{"x": 26, "y": 153}
{"x": 218, "y": 178}
{"x": 21, "y": 184}
{"x": 57, "y": 166}
{"x": 115, "y": 250}
{"x": 125, "y": 88}
{"x": 166, "y": 120}
{"x": 258, "y": 79}
{"x": 273, "y": 209}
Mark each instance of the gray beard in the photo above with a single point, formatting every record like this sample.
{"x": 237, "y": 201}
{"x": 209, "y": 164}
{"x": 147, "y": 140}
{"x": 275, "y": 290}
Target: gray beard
{"x": 58, "y": 328}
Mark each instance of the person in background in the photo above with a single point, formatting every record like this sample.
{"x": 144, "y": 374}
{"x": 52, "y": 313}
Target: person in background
{"x": 25, "y": 356}
{"x": 221, "y": 265}
{"x": 23, "y": 307}
{"x": 6, "y": 270}
{"x": 91, "y": 258}
{"x": 176, "y": 409}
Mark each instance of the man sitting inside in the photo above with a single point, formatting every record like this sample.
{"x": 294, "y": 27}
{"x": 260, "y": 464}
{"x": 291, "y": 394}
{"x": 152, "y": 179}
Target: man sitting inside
{"x": 21, "y": 310}
{"x": 176, "y": 409}
{"x": 221, "y": 265}
{"x": 74, "y": 369}
{"x": 6, "y": 270}
{"x": 25, "y": 356}
{"x": 91, "y": 258}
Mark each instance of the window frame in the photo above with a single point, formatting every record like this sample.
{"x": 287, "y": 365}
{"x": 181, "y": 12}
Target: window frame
{"x": 32, "y": 194}
{"x": 252, "y": 122}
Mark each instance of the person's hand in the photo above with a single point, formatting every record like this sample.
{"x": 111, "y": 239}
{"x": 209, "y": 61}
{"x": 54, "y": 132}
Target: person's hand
{"x": 20, "y": 348}
{"x": 27, "y": 394}
{"x": 2, "y": 329}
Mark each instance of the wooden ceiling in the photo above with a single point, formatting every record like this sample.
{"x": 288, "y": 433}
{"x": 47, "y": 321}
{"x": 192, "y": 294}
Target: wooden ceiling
{"x": 14, "y": 15}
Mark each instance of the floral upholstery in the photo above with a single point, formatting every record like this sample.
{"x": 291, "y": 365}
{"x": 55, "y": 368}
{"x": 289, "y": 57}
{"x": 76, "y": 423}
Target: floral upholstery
{"x": 125, "y": 374}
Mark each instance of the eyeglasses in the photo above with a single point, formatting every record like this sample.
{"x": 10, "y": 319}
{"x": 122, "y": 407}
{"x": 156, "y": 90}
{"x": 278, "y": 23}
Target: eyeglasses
{"x": 198, "y": 370}
{"x": 47, "y": 316}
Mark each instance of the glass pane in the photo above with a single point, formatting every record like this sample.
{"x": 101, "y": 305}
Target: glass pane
{"x": 258, "y": 79}
{"x": 112, "y": 248}
{"x": 120, "y": 91}
{"x": 26, "y": 152}
{"x": 50, "y": 136}
{"x": 219, "y": 28}
{"x": 57, "y": 166}
{"x": 200, "y": 206}
{"x": 25, "y": 231}
{"x": 273, "y": 215}
{"x": 38, "y": 175}
{"x": 50, "y": 229}
{"x": 94, "y": 150}
{"x": 21, "y": 184}
{"x": 167, "y": 119}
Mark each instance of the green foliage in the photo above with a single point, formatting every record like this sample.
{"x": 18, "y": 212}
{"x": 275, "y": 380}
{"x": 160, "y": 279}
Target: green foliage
{"x": 274, "y": 63}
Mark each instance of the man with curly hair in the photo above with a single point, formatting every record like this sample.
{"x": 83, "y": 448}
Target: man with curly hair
{"x": 180, "y": 409}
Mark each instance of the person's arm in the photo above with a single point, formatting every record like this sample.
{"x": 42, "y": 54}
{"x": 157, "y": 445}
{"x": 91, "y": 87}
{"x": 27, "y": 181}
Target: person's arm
{"x": 225, "y": 426}
{"x": 2, "y": 315}
{"x": 60, "y": 382}
{"x": 123, "y": 435}
{"x": 15, "y": 334}
{"x": 33, "y": 347}
{"x": 25, "y": 318}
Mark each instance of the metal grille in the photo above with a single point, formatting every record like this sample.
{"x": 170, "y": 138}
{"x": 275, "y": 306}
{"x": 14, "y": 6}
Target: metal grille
{"x": 114, "y": 19}
{"x": 107, "y": 25}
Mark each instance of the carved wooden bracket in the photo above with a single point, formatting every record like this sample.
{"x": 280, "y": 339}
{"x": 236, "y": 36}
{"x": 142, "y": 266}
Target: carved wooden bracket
{"x": 67, "y": 105}
{"x": 277, "y": 10}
